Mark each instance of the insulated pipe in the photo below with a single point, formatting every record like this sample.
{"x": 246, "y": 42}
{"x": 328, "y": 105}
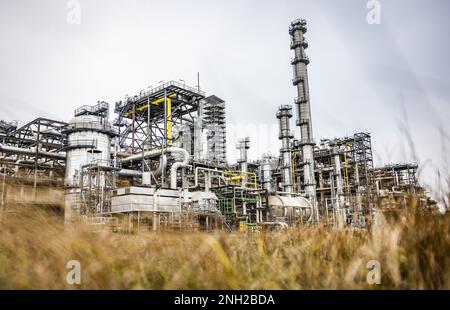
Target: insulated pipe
{"x": 136, "y": 173}
{"x": 179, "y": 164}
{"x": 29, "y": 152}
{"x": 162, "y": 167}
{"x": 130, "y": 173}
{"x": 197, "y": 169}
{"x": 138, "y": 157}
{"x": 173, "y": 170}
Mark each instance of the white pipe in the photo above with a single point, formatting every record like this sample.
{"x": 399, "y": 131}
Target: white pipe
{"x": 138, "y": 157}
{"x": 30, "y": 152}
{"x": 180, "y": 164}
{"x": 197, "y": 169}
{"x": 162, "y": 167}
{"x": 130, "y": 173}
{"x": 175, "y": 166}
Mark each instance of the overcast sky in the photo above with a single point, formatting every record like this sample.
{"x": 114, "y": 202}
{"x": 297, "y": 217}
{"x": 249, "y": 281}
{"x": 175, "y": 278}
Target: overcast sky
{"x": 381, "y": 78}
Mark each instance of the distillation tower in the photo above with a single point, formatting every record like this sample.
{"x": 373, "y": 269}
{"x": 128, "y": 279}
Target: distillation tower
{"x": 284, "y": 114}
{"x": 300, "y": 66}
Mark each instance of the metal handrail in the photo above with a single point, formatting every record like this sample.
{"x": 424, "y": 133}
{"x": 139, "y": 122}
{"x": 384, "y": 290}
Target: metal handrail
{"x": 96, "y": 109}
{"x": 106, "y": 127}
{"x": 303, "y": 57}
{"x": 307, "y": 141}
{"x": 147, "y": 93}
{"x": 82, "y": 142}
{"x": 12, "y": 123}
{"x": 300, "y": 100}
{"x": 300, "y": 21}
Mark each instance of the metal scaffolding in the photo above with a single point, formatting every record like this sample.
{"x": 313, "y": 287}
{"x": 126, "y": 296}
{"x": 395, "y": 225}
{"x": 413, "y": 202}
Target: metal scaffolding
{"x": 145, "y": 120}
{"x": 214, "y": 116}
{"x": 36, "y": 148}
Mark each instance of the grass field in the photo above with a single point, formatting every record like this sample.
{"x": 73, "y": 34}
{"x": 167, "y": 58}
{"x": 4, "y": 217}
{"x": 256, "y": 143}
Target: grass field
{"x": 412, "y": 248}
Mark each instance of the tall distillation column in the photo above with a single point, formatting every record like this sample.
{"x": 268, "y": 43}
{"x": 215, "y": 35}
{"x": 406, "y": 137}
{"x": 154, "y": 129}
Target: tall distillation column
{"x": 243, "y": 145}
{"x": 300, "y": 63}
{"x": 266, "y": 173}
{"x": 284, "y": 114}
{"x": 340, "y": 199}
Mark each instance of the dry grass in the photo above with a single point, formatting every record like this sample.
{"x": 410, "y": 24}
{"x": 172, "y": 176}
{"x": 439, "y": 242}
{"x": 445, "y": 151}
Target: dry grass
{"x": 412, "y": 248}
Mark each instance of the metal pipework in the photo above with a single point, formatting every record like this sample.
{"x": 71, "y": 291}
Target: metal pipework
{"x": 284, "y": 114}
{"x": 171, "y": 150}
{"x": 304, "y": 120}
{"x": 30, "y": 152}
{"x": 213, "y": 171}
{"x": 129, "y": 173}
{"x": 136, "y": 173}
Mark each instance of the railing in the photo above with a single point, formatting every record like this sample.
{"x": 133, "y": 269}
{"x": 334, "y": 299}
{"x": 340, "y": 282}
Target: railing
{"x": 8, "y": 126}
{"x": 298, "y": 21}
{"x": 307, "y": 141}
{"x": 94, "y": 126}
{"x": 304, "y": 59}
{"x": 297, "y": 24}
{"x": 303, "y": 121}
{"x": 98, "y": 109}
{"x": 297, "y": 80}
{"x": 298, "y": 43}
{"x": 301, "y": 100}
{"x": 119, "y": 105}
{"x": 81, "y": 144}
{"x": 12, "y": 123}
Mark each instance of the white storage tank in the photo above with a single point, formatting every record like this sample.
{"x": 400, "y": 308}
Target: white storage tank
{"x": 88, "y": 142}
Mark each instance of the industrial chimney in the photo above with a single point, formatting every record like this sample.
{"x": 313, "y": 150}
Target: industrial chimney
{"x": 300, "y": 63}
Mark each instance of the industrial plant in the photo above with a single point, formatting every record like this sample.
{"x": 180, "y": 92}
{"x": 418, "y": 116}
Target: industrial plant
{"x": 161, "y": 163}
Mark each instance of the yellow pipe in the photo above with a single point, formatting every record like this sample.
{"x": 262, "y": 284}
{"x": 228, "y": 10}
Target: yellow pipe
{"x": 169, "y": 113}
{"x": 169, "y": 121}
{"x": 156, "y": 102}
{"x": 239, "y": 176}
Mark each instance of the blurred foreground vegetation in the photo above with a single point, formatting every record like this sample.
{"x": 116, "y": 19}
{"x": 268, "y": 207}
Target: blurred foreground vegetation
{"x": 413, "y": 249}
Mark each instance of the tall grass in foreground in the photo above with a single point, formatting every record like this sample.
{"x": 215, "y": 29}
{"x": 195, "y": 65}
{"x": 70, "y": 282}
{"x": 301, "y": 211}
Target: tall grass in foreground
{"x": 413, "y": 250}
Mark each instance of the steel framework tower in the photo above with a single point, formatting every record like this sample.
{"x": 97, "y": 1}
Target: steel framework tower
{"x": 146, "y": 120}
{"x": 214, "y": 115}
{"x": 300, "y": 66}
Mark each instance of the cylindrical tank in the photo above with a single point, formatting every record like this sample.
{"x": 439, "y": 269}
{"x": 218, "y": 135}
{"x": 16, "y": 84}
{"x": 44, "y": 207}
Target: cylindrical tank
{"x": 291, "y": 209}
{"x": 266, "y": 173}
{"x": 88, "y": 141}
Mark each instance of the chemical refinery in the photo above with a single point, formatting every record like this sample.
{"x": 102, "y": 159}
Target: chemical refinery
{"x": 161, "y": 163}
